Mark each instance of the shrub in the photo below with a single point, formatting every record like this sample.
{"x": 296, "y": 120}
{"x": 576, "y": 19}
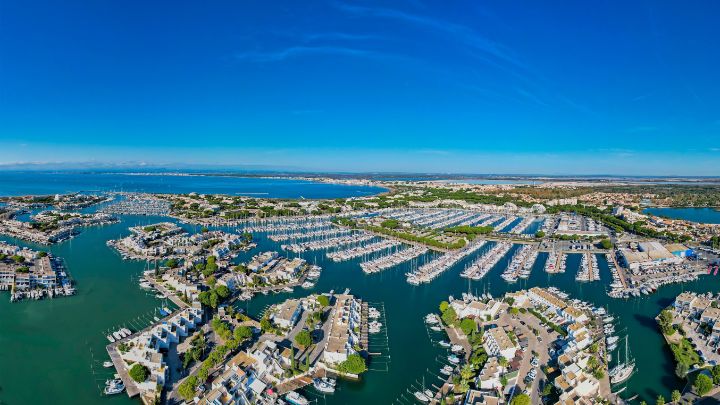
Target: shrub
{"x": 139, "y": 373}
{"x": 355, "y": 364}
{"x": 323, "y": 300}
{"x": 303, "y": 339}
{"x": 703, "y": 384}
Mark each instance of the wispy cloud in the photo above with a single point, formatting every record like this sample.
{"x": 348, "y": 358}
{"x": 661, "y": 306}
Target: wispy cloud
{"x": 338, "y": 36}
{"x": 643, "y": 96}
{"x": 459, "y": 32}
{"x": 297, "y": 51}
{"x": 531, "y": 96}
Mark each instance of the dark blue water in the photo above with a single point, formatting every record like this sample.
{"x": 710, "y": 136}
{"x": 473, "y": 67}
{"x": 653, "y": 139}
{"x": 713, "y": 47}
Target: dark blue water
{"x": 703, "y": 215}
{"x": 13, "y": 183}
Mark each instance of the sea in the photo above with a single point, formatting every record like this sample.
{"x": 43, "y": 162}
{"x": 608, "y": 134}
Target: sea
{"x": 702, "y": 215}
{"x": 15, "y": 183}
{"x": 52, "y": 350}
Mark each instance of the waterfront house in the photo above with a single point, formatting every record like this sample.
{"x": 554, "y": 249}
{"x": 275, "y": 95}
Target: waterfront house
{"x": 710, "y": 315}
{"x": 572, "y": 314}
{"x": 262, "y": 260}
{"x": 698, "y": 305}
{"x": 498, "y": 343}
{"x": 475, "y": 397}
{"x": 233, "y": 385}
{"x": 475, "y": 308}
{"x": 684, "y": 300}
{"x": 540, "y": 296}
{"x": 268, "y": 363}
{"x": 287, "y": 314}
{"x": 344, "y": 329}
{"x": 489, "y": 377}
{"x": 573, "y": 382}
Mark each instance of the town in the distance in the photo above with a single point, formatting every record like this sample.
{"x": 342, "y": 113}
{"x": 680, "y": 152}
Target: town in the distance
{"x": 210, "y": 254}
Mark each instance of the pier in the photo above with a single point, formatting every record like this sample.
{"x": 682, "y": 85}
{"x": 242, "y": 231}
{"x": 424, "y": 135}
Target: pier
{"x": 119, "y": 364}
{"x": 169, "y": 294}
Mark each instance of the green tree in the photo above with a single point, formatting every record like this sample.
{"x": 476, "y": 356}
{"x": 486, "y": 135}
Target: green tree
{"x": 666, "y": 320}
{"x": 606, "y": 244}
{"x": 468, "y": 326}
{"x": 467, "y": 372}
{"x": 703, "y": 384}
{"x": 222, "y": 291}
{"x": 449, "y": 316}
{"x": 521, "y": 399}
{"x": 172, "y": 263}
{"x": 242, "y": 333}
{"x": 211, "y": 281}
{"x": 203, "y": 373}
{"x": 444, "y": 305}
{"x": 681, "y": 370}
{"x": 139, "y": 373}
{"x": 187, "y": 388}
{"x": 715, "y": 371}
{"x": 540, "y": 234}
{"x": 266, "y": 325}
{"x": 355, "y": 364}
{"x": 675, "y": 395}
{"x": 660, "y": 400}
{"x": 303, "y": 338}
{"x": 323, "y": 300}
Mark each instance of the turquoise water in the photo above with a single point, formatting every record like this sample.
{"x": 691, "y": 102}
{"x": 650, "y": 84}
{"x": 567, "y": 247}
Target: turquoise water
{"x": 14, "y": 183}
{"x": 59, "y": 344}
{"x": 704, "y": 215}
{"x": 64, "y": 338}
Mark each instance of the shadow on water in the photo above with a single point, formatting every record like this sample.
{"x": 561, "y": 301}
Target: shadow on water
{"x": 646, "y": 321}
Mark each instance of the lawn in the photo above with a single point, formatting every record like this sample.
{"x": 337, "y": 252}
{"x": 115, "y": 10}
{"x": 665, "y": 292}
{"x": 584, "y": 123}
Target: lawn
{"x": 685, "y": 353}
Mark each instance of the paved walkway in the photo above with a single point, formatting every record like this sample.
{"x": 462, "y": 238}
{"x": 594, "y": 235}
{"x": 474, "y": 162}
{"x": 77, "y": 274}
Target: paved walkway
{"x": 171, "y": 295}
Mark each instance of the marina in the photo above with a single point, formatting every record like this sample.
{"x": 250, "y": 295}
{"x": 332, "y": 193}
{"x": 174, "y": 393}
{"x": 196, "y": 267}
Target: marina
{"x": 429, "y": 271}
{"x": 390, "y": 287}
{"x": 479, "y": 268}
{"x": 385, "y": 262}
{"x": 362, "y": 250}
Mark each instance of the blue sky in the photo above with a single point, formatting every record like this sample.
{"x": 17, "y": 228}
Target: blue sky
{"x": 610, "y": 87}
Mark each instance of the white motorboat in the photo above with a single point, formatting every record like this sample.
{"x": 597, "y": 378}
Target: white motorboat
{"x": 296, "y": 399}
{"x": 323, "y": 386}
{"x": 113, "y": 387}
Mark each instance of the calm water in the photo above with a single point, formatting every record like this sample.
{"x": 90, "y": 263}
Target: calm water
{"x": 706, "y": 215}
{"x": 42, "y": 183}
{"x": 64, "y": 338}
{"x": 59, "y": 344}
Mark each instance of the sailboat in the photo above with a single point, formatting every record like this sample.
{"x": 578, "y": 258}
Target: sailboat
{"x": 422, "y": 395}
{"x": 622, "y": 371}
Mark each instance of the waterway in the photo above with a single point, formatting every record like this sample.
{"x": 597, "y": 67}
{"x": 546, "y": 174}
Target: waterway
{"x": 13, "y": 183}
{"x": 704, "y": 215}
{"x": 52, "y": 349}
